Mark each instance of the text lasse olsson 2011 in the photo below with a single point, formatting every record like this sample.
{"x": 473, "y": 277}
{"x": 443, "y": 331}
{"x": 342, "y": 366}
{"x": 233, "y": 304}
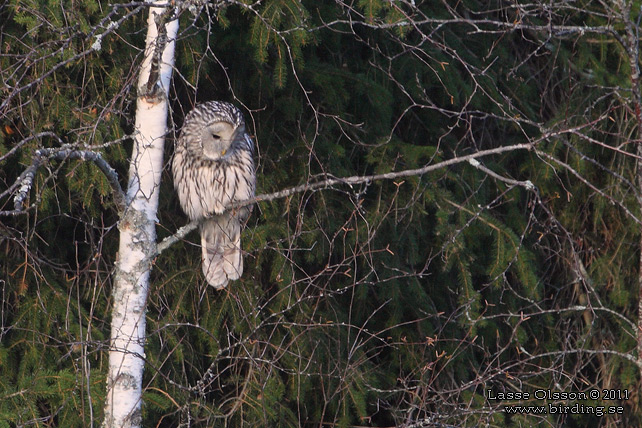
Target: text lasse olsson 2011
{"x": 560, "y": 408}
{"x": 548, "y": 394}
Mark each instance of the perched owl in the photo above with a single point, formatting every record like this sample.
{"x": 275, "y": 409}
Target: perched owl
{"x": 213, "y": 167}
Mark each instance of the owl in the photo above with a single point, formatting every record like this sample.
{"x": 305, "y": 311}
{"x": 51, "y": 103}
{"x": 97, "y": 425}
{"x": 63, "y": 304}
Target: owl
{"x": 213, "y": 166}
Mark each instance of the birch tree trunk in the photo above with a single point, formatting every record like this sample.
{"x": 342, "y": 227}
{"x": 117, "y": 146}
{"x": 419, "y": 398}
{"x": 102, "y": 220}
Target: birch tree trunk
{"x": 137, "y": 226}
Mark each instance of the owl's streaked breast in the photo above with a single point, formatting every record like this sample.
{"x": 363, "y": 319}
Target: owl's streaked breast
{"x": 206, "y": 186}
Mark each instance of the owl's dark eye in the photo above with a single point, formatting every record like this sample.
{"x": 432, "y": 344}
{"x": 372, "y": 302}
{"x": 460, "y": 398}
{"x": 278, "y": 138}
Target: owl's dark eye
{"x": 216, "y": 136}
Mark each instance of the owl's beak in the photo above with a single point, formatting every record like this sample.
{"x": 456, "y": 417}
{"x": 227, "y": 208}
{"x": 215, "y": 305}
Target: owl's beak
{"x": 223, "y": 152}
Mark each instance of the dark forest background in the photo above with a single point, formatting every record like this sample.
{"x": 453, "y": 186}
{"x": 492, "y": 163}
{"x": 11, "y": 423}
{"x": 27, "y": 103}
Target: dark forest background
{"x": 393, "y": 302}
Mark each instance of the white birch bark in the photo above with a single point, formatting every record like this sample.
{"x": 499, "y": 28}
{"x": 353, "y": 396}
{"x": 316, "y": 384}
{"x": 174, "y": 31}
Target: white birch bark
{"x": 137, "y": 229}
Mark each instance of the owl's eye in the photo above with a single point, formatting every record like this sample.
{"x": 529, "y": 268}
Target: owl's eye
{"x": 216, "y": 136}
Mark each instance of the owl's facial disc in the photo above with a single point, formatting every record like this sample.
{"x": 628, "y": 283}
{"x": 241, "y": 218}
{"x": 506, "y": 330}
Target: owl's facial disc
{"x": 216, "y": 139}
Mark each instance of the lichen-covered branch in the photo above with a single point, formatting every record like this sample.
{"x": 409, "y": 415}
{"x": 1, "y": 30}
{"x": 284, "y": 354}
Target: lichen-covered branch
{"x": 41, "y": 156}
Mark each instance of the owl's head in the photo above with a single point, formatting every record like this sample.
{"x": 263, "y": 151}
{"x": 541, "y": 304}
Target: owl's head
{"x": 217, "y": 128}
{"x": 217, "y": 138}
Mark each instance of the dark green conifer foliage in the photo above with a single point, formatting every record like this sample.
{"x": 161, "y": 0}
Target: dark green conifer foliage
{"x": 378, "y": 304}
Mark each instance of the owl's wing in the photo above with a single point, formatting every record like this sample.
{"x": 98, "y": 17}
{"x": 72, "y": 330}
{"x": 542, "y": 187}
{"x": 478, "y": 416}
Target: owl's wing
{"x": 221, "y": 242}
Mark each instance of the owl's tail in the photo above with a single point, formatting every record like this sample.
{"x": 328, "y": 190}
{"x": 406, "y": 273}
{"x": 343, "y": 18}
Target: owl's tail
{"x": 221, "y": 242}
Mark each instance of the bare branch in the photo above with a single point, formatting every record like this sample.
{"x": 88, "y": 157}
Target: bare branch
{"x": 332, "y": 182}
{"x": 25, "y": 180}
